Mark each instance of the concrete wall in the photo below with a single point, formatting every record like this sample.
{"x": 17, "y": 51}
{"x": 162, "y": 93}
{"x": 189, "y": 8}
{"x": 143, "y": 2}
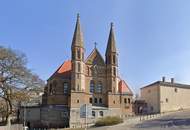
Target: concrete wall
{"x": 151, "y": 96}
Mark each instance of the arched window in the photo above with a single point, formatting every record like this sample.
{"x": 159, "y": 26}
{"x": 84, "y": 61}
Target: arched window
{"x": 99, "y": 87}
{"x": 78, "y": 67}
{"x": 92, "y": 85}
{"x": 101, "y": 113}
{"x": 114, "y": 71}
{"x": 78, "y": 54}
{"x": 125, "y": 100}
{"x": 93, "y": 113}
{"x": 100, "y": 100}
{"x": 65, "y": 87}
{"x": 129, "y": 100}
{"x": 54, "y": 87}
{"x": 90, "y": 100}
{"x": 50, "y": 89}
{"x": 114, "y": 59}
{"x": 95, "y": 100}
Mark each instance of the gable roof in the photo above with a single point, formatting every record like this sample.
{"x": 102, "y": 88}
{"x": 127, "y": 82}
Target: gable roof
{"x": 64, "y": 70}
{"x": 124, "y": 88}
{"x": 168, "y": 84}
{"x": 95, "y": 58}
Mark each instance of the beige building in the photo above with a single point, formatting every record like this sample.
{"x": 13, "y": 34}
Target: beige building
{"x": 162, "y": 96}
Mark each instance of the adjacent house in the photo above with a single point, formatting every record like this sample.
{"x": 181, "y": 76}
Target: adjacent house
{"x": 162, "y": 96}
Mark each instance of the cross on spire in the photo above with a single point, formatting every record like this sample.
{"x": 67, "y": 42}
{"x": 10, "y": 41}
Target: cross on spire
{"x": 95, "y": 44}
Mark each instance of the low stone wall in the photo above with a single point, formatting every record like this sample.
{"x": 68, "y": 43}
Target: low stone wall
{"x": 12, "y": 127}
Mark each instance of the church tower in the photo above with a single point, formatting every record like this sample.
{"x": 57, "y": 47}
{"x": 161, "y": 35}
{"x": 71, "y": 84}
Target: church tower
{"x": 111, "y": 62}
{"x": 77, "y": 56}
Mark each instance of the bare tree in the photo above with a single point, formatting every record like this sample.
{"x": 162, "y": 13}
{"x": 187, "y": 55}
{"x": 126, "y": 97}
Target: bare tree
{"x": 15, "y": 76}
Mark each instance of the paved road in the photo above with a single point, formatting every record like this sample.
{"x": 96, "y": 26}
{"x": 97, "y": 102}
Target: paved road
{"x": 174, "y": 121}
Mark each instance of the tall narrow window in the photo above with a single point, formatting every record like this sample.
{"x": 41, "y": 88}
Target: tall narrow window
{"x": 92, "y": 85}
{"x": 78, "y": 54}
{"x": 125, "y": 100}
{"x": 54, "y": 87}
{"x": 114, "y": 59}
{"x": 100, "y": 100}
{"x": 78, "y": 67}
{"x": 93, "y": 113}
{"x": 90, "y": 100}
{"x": 65, "y": 87}
{"x": 73, "y": 55}
{"x": 114, "y": 71}
{"x": 129, "y": 100}
{"x": 50, "y": 89}
{"x": 99, "y": 87}
{"x": 95, "y": 100}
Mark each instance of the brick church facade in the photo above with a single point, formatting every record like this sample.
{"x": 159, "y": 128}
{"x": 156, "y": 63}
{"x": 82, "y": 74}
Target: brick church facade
{"x": 92, "y": 81}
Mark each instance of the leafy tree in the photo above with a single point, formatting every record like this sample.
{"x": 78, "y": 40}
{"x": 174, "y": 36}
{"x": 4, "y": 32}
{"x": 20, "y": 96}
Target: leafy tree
{"x": 15, "y": 78}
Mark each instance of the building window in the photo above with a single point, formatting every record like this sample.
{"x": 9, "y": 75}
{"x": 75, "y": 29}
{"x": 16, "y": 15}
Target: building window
{"x": 93, "y": 113}
{"x": 114, "y": 71}
{"x": 167, "y": 100}
{"x": 92, "y": 85}
{"x": 90, "y": 100}
{"x": 101, "y": 113}
{"x": 114, "y": 102}
{"x": 100, "y": 100}
{"x": 50, "y": 89}
{"x": 95, "y": 100}
{"x": 78, "y": 67}
{"x": 125, "y": 100}
{"x": 65, "y": 87}
{"x": 99, "y": 87}
{"x": 129, "y": 100}
{"x": 114, "y": 59}
{"x": 53, "y": 91}
{"x": 176, "y": 90}
{"x": 77, "y": 100}
{"x": 73, "y": 55}
{"x": 78, "y": 54}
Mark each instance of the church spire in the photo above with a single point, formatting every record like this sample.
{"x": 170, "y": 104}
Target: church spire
{"x": 111, "y": 48}
{"x": 78, "y": 36}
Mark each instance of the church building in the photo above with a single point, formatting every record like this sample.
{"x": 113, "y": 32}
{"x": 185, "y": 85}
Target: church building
{"x": 93, "y": 82}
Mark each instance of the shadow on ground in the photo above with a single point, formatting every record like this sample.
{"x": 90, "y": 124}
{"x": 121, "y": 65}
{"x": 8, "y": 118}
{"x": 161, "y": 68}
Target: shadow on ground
{"x": 164, "y": 123}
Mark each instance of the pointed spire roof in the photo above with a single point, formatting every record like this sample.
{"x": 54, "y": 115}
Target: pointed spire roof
{"x": 111, "y": 47}
{"x": 78, "y": 35}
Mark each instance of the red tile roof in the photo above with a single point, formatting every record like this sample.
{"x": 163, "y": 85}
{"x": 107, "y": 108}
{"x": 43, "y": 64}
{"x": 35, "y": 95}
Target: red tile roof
{"x": 64, "y": 70}
{"x": 123, "y": 87}
{"x": 65, "y": 67}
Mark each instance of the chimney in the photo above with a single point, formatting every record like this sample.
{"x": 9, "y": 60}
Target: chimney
{"x": 163, "y": 79}
{"x": 172, "y": 80}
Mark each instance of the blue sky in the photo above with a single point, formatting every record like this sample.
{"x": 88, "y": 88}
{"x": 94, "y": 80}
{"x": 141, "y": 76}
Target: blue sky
{"x": 153, "y": 36}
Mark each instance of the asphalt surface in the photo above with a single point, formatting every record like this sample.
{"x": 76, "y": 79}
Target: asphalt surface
{"x": 173, "y": 121}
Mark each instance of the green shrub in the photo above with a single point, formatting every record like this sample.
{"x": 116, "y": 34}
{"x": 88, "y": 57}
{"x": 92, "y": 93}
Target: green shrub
{"x": 109, "y": 120}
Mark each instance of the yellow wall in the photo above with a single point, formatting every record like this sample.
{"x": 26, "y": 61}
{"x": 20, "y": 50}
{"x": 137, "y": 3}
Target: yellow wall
{"x": 151, "y": 96}
{"x": 176, "y": 100}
